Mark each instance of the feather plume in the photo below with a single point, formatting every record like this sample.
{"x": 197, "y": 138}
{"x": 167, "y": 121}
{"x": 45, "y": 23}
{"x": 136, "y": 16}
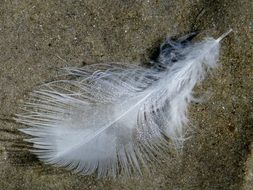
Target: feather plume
{"x": 114, "y": 118}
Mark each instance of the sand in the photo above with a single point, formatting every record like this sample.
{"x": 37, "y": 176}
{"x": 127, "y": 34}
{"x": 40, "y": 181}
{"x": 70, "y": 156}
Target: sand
{"x": 37, "y": 38}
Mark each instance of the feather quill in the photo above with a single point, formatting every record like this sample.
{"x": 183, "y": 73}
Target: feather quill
{"x": 114, "y": 118}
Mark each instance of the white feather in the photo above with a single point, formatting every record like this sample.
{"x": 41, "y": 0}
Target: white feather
{"x": 114, "y": 118}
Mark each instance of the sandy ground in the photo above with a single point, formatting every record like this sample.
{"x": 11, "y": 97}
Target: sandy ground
{"x": 39, "y": 37}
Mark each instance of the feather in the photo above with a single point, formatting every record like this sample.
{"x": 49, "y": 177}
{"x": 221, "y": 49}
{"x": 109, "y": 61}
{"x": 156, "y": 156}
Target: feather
{"x": 115, "y": 118}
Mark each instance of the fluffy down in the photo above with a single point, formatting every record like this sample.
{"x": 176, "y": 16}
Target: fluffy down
{"x": 115, "y": 118}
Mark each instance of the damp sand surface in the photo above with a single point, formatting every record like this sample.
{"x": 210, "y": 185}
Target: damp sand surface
{"x": 37, "y": 38}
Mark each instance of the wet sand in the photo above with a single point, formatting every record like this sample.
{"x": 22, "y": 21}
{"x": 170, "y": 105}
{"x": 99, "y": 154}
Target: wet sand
{"x": 37, "y": 38}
